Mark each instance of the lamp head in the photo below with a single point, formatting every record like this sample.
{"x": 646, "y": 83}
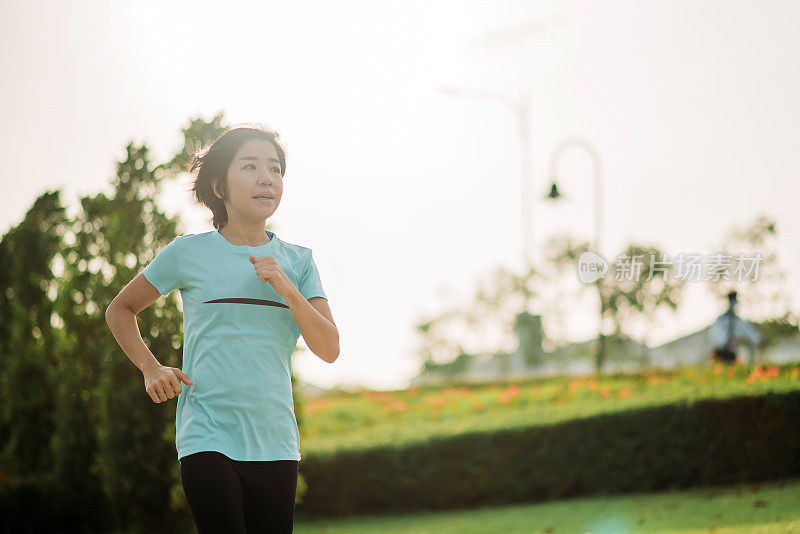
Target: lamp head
{"x": 553, "y": 194}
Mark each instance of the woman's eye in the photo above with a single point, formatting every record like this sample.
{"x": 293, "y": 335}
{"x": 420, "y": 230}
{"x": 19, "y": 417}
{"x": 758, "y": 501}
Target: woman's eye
{"x": 250, "y": 165}
{"x": 276, "y": 169}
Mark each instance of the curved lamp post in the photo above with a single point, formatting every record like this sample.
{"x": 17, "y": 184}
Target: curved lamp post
{"x": 554, "y": 194}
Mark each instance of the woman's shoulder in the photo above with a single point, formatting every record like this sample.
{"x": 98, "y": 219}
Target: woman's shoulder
{"x": 194, "y": 238}
{"x": 194, "y": 235}
{"x": 300, "y": 251}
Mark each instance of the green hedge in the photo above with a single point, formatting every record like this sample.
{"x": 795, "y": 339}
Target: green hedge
{"x": 706, "y": 442}
{"x": 39, "y": 503}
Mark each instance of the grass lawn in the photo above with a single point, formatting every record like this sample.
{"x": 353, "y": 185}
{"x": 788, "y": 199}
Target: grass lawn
{"x": 751, "y": 508}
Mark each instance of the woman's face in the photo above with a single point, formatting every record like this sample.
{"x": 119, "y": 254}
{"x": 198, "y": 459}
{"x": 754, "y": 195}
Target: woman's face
{"x": 255, "y": 170}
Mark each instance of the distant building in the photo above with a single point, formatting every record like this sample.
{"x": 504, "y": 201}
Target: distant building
{"x": 623, "y": 355}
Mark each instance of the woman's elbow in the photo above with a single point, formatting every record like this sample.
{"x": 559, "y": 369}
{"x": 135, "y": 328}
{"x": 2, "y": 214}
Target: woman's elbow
{"x": 332, "y": 355}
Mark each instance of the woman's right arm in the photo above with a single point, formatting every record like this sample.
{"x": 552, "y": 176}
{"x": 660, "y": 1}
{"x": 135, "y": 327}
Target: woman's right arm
{"x": 161, "y": 383}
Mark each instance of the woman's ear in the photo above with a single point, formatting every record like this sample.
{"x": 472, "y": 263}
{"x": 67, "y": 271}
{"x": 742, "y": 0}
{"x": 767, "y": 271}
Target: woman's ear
{"x": 216, "y": 191}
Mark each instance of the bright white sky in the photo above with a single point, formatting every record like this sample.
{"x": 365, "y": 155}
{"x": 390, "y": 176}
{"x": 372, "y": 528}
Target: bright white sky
{"x": 402, "y": 190}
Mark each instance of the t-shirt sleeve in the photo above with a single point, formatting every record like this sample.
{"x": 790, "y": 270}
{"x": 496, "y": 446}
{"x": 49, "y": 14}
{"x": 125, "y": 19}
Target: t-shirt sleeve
{"x": 310, "y": 284}
{"x": 164, "y": 270}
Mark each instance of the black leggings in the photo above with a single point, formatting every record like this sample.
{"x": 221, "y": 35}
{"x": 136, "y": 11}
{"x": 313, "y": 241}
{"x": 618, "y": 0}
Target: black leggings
{"x": 237, "y": 497}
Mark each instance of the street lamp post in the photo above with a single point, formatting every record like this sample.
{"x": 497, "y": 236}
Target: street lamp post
{"x": 521, "y": 109}
{"x": 554, "y": 194}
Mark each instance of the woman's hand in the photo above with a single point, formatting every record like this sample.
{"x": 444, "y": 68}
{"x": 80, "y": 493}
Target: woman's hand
{"x": 162, "y": 383}
{"x": 268, "y": 270}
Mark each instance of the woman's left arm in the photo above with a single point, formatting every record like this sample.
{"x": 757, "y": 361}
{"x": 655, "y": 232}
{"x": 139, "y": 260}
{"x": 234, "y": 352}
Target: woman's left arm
{"x": 315, "y": 320}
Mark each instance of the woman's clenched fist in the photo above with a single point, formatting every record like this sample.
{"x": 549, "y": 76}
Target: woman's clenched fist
{"x": 164, "y": 383}
{"x": 268, "y": 270}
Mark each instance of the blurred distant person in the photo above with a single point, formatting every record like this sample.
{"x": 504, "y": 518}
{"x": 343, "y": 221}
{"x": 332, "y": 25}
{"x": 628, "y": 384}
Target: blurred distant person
{"x": 728, "y": 330}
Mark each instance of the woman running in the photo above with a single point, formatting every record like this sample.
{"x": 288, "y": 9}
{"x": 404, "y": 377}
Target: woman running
{"x": 247, "y": 297}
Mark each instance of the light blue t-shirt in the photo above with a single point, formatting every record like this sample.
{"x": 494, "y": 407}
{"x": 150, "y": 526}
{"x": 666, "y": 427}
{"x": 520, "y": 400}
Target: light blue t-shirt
{"x": 238, "y": 339}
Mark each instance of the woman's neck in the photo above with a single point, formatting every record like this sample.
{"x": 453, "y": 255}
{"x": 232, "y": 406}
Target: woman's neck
{"x": 252, "y": 237}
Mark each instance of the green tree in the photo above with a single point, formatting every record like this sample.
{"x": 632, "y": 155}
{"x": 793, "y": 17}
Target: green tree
{"x": 121, "y": 235}
{"x": 760, "y": 282}
{"x": 635, "y": 288}
{"x": 445, "y": 335}
{"x": 33, "y": 386}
